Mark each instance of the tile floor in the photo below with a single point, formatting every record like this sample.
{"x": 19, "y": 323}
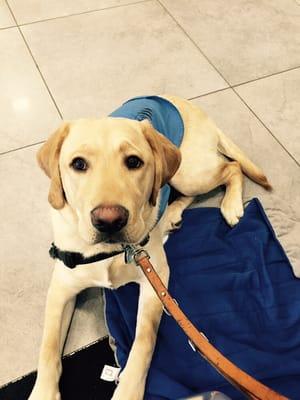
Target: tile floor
{"x": 239, "y": 60}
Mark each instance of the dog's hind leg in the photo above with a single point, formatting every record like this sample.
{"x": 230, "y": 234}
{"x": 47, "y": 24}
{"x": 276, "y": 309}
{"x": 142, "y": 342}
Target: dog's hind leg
{"x": 232, "y": 204}
{"x": 200, "y": 180}
{"x": 227, "y": 147}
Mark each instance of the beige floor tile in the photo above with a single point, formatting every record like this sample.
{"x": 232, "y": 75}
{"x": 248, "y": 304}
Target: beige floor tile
{"x": 6, "y": 18}
{"x": 276, "y": 101}
{"x": 27, "y": 111}
{"x": 35, "y": 10}
{"x": 25, "y": 269}
{"x": 244, "y": 39}
{"x": 93, "y": 62}
{"x": 234, "y": 118}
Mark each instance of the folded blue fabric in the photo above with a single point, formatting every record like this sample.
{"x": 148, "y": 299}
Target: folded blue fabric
{"x": 238, "y": 287}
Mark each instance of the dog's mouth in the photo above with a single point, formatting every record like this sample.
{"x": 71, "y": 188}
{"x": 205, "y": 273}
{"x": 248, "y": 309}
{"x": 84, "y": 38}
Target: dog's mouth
{"x": 112, "y": 238}
{"x": 109, "y": 239}
{"x": 119, "y": 239}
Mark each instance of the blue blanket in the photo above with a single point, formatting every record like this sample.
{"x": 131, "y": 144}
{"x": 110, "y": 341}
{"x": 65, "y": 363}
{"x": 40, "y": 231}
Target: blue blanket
{"x": 237, "y": 286}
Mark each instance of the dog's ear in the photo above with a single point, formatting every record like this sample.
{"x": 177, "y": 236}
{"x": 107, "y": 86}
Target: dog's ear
{"x": 167, "y": 158}
{"x": 48, "y": 159}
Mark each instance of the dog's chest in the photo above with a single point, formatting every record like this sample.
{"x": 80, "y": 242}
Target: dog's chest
{"x": 109, "y": 274}
{"x": 94, "y": 275}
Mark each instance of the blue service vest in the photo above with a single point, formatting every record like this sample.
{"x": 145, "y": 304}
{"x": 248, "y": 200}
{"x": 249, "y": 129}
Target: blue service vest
{"x": 164, "y": 117}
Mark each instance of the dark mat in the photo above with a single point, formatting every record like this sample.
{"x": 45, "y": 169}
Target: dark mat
{"x": 80, "y": 379}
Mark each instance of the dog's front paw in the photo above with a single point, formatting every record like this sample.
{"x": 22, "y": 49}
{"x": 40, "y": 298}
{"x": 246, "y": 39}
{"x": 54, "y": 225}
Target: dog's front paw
{"x": 232, "y": 210}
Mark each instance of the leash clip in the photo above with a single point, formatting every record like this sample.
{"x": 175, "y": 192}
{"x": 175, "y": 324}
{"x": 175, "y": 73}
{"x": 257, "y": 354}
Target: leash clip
{"x": 133, "y": 253}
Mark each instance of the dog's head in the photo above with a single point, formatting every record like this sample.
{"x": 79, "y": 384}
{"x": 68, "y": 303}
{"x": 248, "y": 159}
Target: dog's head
{"x": 109, "y": 171}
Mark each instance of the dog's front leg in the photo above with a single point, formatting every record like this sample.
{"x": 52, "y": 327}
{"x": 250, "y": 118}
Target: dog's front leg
{"x": 58, "y": 313}
{"x": 133, "y": 377}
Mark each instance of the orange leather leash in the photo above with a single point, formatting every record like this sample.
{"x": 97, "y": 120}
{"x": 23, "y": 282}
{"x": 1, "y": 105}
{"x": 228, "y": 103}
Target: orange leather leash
{"x": 252, "y": 388}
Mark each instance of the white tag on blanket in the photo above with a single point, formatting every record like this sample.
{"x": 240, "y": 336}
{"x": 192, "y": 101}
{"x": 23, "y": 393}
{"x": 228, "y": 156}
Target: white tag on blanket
{"x": 110, "y": 374}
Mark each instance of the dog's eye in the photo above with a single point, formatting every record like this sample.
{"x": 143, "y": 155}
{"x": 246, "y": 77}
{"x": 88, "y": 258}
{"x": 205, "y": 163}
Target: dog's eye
{"x": 79, "y": 164}
{"x": 133, "y": 162}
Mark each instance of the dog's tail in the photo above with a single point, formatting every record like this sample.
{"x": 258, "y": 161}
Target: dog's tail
{"x": 231, "y": 150}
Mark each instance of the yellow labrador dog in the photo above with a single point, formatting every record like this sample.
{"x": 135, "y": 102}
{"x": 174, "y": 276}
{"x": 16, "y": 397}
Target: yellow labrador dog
{"x": 105, "y": 186}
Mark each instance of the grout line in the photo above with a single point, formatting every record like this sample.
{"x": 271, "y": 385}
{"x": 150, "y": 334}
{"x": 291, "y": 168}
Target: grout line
{"x": 212, "y": 64}
{"x": 21, "y": 148}
{"x": 42, "y": 76}
{"x": 208, "y": 93}
{"x": 265, "y": 76}
{"x": 193, "y": 41}
{"x": 7, "y": 27}
{"x": 266, "y": 127}
{"x": 82, "y": 13}
{"x": 35, "y": 62}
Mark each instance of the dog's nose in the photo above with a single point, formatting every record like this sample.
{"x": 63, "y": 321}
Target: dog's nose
{"x": 109, "y": 219}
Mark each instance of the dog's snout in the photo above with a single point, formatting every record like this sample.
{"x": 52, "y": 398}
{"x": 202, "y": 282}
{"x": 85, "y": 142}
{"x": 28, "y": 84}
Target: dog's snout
{"x": 109, "y": 219}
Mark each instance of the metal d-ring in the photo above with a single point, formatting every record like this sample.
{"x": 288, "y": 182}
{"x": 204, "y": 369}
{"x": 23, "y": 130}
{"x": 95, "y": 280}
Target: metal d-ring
{"x": 166, "y": 311}
{"x": 192, "y": 344}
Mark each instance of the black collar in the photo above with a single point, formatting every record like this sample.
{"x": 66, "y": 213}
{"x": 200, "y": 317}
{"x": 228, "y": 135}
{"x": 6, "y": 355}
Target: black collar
{"x": 71, "y": 258}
